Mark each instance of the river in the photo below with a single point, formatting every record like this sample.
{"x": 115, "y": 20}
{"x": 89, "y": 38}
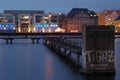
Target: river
{"x": 23, "y": 60}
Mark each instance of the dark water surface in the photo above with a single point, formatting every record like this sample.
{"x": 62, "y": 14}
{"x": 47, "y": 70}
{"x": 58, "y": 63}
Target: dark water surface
{"x": 26, "y": 61}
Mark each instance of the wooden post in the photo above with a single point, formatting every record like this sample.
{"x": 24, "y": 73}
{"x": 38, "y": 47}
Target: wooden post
{"x": 33, "y": 40}
{"x": 11, "y": 41}
{"x": 7, "y": 41}
{"x": 69, "y": 54}
{"x": 77, "y": 59}
{"x": 37, "y": 41}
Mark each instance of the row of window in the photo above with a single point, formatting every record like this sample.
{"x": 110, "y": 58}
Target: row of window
{"x": 81, "y": 19}
{"x": 46, "y": 25}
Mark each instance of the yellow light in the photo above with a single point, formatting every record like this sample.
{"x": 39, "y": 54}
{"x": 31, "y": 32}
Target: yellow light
{"x": 6, "y": 20}
{"x": 28, "y": 29}
{"x": 49, "y": 30}
{"x": 109, "y": 19}
{"x": 43, "y": 30}
{"x": 34, "y": 29}
{"x": 119, "y": 25}
{"x": 19, "y": 30}
{"x": 49, "y": 15}
{"x": 26, "y": 17}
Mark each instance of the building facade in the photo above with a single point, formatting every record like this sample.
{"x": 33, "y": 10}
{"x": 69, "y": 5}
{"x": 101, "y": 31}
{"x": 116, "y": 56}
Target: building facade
{"x": 21, "y": 20}
{"x": 7, "y": 23}
{"x": 101, "y": 18}
{"x": 109, "y": 17}
{"x": 34, "y": 20}
{"x": 62, "y": 20}
{"x": 45, "y": 22}
{"x": 79, "y": 17}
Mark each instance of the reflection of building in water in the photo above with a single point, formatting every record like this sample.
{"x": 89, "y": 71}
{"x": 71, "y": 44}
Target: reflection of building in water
{"x": 7, "y": 23}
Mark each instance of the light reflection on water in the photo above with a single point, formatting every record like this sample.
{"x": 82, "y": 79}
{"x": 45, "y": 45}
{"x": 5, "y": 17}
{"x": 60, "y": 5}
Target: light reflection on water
{"x": 36, "y": 62}
{"x": 49, "y": 68}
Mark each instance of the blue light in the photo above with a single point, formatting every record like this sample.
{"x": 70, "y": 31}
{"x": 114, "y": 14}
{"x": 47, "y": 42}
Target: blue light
{"x": 56, "y": 25}
{"x": 9, "y": 25}
{"x": 1, "y": 25}
{"x": 38, "y": 25}
{"x": 46, "y": 25}
{"x": 51, "y": 25}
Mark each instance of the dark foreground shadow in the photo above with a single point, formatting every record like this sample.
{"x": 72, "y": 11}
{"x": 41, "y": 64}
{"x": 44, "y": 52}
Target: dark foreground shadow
{"x": 99, "y": 77}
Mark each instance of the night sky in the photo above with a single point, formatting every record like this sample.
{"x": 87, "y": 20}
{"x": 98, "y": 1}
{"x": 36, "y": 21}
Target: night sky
{"x": 56, "y": 6}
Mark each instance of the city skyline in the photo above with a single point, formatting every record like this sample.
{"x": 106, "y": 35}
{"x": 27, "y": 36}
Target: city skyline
{"x": 57, "y": 5}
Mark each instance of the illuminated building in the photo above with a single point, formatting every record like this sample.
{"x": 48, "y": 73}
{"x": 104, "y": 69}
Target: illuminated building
{"x": 45, "y": 22}
{"x": 101, "y": 18}
{"x": 62, "y": 20}
{"x": 7, "y": 23}
{"x": 116, "y": 23}
{"x": 78, "y": 17}
{"x": 109, "y": 17}
{"x": 24, "y": 23}
{"x": 18, "y": 19}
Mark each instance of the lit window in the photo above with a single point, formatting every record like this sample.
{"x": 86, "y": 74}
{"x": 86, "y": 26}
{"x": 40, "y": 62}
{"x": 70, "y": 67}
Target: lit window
{"x": 26, "y": 17}
{"x": 109, "y": 19}
{"x": 91, "y": 15}
{"x": 4, "y": 28}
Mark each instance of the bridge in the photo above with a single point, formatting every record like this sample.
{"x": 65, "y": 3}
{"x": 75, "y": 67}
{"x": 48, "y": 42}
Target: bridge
{"x": 95, "y": 45}
{"x": 46, "y": 34}
{"x": 35, "y": 37}
{"x": 9, "y": 37}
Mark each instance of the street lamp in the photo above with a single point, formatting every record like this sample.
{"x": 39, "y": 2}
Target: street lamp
{"x": 49, "y": 16}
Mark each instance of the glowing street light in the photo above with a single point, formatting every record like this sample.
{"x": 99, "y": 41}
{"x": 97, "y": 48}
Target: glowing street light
{"x": 50, "y": 15}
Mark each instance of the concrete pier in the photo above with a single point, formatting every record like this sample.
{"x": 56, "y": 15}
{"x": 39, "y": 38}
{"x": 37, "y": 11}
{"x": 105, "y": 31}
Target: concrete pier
{"x": 98, "y": 50}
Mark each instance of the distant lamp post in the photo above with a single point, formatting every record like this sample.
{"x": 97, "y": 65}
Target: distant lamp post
{"x": 49, "y": 16}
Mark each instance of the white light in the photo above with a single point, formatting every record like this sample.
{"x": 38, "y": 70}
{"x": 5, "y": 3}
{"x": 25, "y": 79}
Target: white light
{"x": 34, "y": 29}
{"x": 4, "y": 28}
{"x": 60, "y": 13}
{"x": 56, "y": 25}
{"x": 91, "y": 15}
{"x": 45, "y": 17}
{"x": 25, "y": 17}
{"x": 51, "y": 25}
